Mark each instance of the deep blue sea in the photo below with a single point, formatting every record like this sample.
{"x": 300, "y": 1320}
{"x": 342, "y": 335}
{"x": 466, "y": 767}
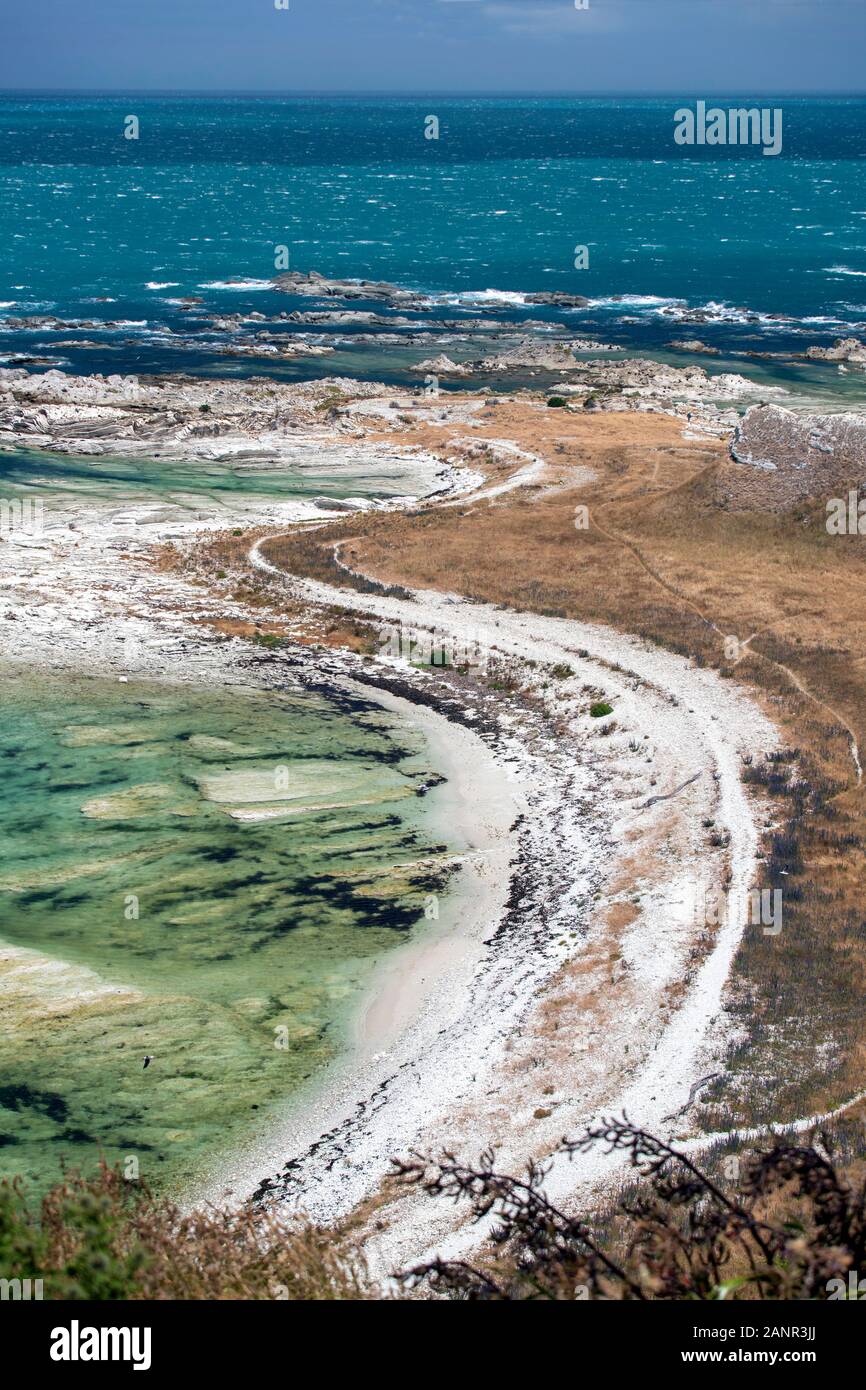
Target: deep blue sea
{"x": 95, "y": 227}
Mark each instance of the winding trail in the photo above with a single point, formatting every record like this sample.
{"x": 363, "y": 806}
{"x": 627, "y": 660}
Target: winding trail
{"x": 779, "y": 1130}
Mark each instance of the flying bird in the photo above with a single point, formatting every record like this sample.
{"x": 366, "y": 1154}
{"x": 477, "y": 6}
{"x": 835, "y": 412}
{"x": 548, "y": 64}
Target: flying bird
{"x": 147, "y": 1062}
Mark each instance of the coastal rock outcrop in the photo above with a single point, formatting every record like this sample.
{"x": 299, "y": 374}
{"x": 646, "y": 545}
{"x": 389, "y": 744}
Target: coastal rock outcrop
{"x": 313, "y": 284}
{"x": 645, "y": 377}
{"x": 557, "y": 299}
{"x": 177, "y": 416}
{"x": 693, "y": 345}
{"x": 288, "y": 349}
{"x": 442, "y": 365}
{"x": 786, "y": 458}
{"x": 554, "y": 356}
{"x": 843, "y": 350}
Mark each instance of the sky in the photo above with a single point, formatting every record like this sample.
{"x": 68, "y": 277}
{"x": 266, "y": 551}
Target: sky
{"x": 690, "y": 46}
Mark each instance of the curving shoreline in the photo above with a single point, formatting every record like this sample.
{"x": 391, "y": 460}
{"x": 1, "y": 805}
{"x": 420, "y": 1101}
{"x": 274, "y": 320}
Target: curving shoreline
{"x": 416, "y": 990}
{"x": 478, "y": 805}
{"x": 582, "y": 811}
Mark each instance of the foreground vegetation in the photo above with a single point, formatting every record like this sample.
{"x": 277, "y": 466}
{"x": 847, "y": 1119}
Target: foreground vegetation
{"x": 788, "y": 1225}
{"x": 105, "y": 1238}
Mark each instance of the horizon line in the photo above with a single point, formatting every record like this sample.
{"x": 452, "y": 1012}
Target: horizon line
{"x": 419, "y": 92}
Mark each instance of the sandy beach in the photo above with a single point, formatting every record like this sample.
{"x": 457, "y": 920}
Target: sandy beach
{"x": 477, "y": 804}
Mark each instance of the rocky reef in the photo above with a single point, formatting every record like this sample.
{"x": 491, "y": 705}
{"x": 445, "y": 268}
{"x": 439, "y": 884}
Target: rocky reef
{"x": 311, "y": 283}
{"x": 177, "y": 416}
{"x": 843, "y": 350}
{"x": 262, "y": 420}
{"x": 320, "y": 287}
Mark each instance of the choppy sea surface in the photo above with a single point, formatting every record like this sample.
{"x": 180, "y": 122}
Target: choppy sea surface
{"x": 206, "y": 878}
{"x": 96, "y": 228}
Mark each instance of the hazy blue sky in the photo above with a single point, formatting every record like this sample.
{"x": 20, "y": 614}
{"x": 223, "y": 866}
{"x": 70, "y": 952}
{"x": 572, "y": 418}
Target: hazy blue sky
{"x": 462, "y": 45}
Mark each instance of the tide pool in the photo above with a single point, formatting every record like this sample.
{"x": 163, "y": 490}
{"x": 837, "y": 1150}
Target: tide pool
{"x": 192, "y": 483}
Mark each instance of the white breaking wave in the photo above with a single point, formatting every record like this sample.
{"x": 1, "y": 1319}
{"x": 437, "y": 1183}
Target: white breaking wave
{"x": 237, "y": 285}
{"x": 634, "y": 301}
{"x": 482, "y": 297}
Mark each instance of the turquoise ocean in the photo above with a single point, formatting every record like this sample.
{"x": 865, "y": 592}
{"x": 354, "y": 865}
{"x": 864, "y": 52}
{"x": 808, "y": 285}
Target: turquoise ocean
{"x": 771, "y": 252}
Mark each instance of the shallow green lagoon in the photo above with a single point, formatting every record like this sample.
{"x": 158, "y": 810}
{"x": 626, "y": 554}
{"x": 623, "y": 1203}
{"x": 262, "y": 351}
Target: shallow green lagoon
{"x": 192, "y": 484}
{"x": 206, "y": 878}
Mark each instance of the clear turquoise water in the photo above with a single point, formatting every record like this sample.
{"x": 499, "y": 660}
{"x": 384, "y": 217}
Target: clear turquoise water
{"x": 157, "y": 918}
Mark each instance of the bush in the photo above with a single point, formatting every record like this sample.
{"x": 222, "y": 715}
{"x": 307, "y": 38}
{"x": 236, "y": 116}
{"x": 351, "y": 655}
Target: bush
{"x": 600, "y": 709}
{"x": 791, "y": 1228}
{"x": 557, "y": 402}
{"x": 107, "y": 1239}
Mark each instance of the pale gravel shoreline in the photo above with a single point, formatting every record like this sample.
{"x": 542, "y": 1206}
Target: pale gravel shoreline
{"x": 479, "y": 809}
{"x": 696, "y": 721}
